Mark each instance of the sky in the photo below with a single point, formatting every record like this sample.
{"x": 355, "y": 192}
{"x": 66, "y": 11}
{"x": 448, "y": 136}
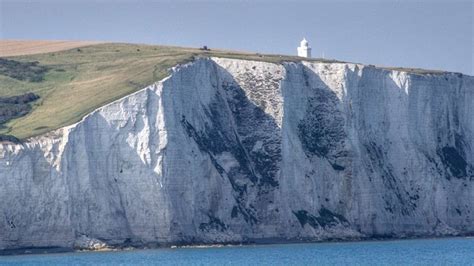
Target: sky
{"x": 425, "y": 34}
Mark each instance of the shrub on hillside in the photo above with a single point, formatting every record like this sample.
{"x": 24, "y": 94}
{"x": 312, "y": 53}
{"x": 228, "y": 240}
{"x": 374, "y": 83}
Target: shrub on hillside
{"x": 15, "y": 106}
{"x": 25, "y": 71}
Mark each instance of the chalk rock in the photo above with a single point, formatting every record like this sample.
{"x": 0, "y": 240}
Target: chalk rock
{"x": 227, "y": 150}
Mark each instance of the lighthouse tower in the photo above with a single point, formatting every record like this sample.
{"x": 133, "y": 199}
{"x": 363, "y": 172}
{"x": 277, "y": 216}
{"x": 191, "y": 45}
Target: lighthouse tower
{"x": 304, "y": 50}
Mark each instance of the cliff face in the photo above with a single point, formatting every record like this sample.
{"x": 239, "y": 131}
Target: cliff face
{"x": 228, "y": 150}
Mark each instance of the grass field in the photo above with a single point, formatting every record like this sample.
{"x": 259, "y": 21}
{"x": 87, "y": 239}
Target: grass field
{"x": 16, "y": 47}
{"x": 82, "y": 79}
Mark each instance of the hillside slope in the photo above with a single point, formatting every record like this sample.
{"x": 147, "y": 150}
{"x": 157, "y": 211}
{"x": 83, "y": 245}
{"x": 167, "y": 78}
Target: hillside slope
{"x": 80, "y": 80}
{"x": 72, "y": 83}
{"x": 228, "y": 150}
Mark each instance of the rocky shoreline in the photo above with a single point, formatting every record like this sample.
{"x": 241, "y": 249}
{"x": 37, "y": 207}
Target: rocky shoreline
{"x": 254, "y": 242}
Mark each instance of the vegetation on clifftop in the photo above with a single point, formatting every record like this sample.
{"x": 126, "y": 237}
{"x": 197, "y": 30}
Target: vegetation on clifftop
{"x": 72, "y": 83}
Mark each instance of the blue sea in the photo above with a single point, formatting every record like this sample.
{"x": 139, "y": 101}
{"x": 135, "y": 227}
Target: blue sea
{"x": 449, "y": 251}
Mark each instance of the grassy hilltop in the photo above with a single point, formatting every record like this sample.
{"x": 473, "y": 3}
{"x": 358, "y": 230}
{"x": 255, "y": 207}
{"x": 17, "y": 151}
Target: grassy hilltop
{"x": 74, "y": 82}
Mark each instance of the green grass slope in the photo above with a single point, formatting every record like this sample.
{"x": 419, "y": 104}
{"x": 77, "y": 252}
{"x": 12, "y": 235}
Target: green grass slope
{"x": 77, "y": 81}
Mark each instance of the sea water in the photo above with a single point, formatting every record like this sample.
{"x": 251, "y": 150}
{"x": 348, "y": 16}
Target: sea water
{"x": 448, "y": 251}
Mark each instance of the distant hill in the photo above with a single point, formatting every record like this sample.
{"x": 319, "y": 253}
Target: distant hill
{"x": 17, "y": 47}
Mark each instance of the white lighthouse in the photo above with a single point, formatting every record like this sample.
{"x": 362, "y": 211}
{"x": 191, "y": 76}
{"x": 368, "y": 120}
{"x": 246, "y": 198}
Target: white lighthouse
{"x": 304, "y": 50}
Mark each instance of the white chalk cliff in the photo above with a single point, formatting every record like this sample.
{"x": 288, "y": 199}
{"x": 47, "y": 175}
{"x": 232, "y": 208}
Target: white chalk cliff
{"x": 229, "y": 150}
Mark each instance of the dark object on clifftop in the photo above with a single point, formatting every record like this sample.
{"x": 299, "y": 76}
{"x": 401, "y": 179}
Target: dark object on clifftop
{"x": 9, "y": 138}
{"x": 204, "y": 48}
{"x": 15, "y": 106}
{"x": 20, "y": 99}
{"x": 26, "y": 71}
